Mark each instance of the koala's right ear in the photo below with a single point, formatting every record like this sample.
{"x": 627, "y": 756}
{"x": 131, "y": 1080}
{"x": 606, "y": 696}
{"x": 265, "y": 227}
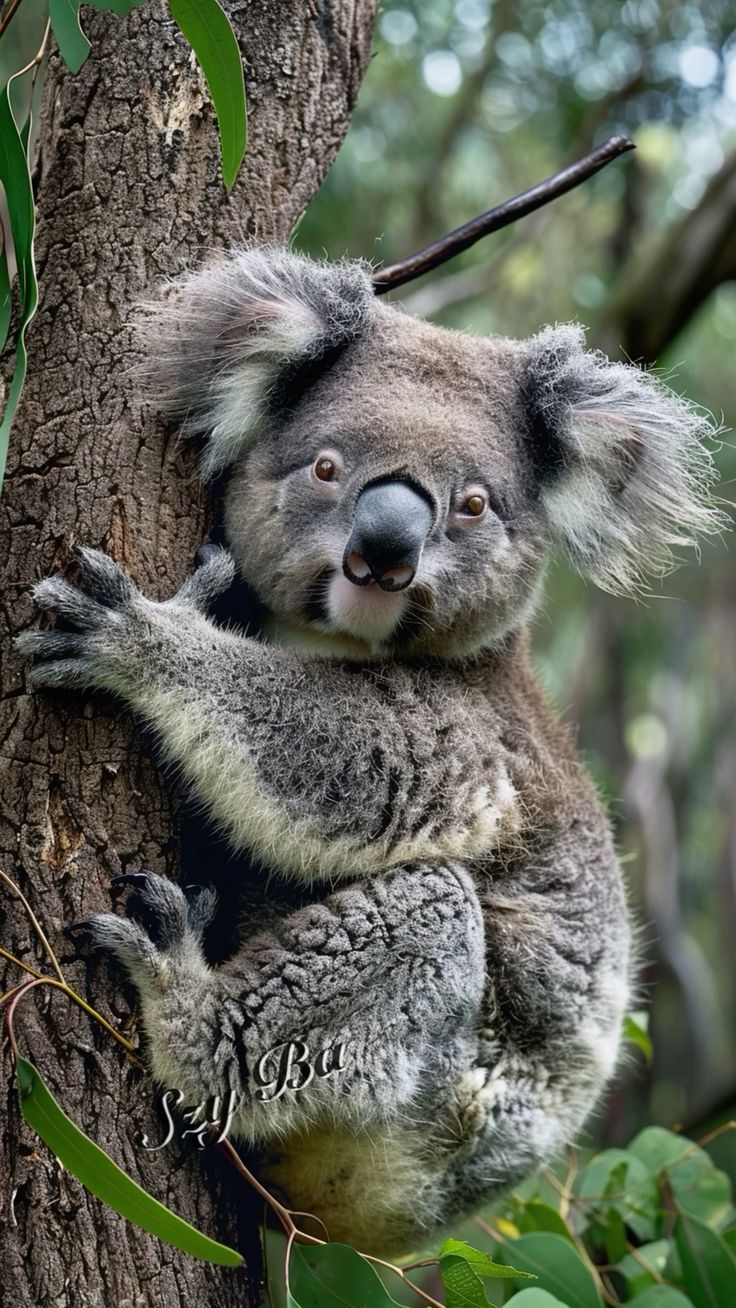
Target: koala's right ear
{"x": 218, "y": 342}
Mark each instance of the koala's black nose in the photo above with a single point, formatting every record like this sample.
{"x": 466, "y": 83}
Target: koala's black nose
{"x": 391, "y": 523}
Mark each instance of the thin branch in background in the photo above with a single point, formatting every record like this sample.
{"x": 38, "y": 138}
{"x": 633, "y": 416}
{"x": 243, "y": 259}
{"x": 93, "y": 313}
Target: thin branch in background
{"x": 493, "y": 220}
{"x": 9, "y": 15}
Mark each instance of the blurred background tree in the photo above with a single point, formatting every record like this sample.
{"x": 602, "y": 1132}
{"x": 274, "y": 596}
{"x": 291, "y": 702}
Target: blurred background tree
{"x": 465, "y": 103}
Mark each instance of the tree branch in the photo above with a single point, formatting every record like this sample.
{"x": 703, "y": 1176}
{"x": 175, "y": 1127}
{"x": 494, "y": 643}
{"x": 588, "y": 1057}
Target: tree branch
{"x": 431, "y": 256}
{"x": 663, "y": 285}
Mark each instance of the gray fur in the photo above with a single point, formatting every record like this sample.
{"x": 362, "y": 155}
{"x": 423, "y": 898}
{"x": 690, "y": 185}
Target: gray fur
{"x": 466, "y": 934}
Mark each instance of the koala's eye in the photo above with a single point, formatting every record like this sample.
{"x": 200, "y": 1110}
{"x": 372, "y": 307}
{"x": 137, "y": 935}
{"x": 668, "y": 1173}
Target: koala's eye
{"x": 325, "y": 468}
{"x": 474, "y": 505}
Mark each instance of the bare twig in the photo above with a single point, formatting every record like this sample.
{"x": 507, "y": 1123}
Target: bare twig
{"x": 9, "y": 15}
{"x": 16, "y": 890}
{"x": 431, "y": 256}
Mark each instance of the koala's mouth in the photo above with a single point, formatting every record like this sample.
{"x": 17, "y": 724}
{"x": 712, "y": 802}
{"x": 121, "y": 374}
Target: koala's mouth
{"x": 366, "y": 612}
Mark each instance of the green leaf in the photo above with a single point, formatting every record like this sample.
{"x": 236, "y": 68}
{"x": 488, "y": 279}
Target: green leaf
{"x": 16, "y": 179}
{"x": 334, "y": 1276}
{"x": 120, "y": 7}
{"x": 482, "y": 1263}
{"x": 6, "y": 299}
{"x": 635, "y": 1031}
{"x": 85, "y": 1160}
{"x": 463, "y": 1287}
{"x": 536, "y": 1216}
{"x": 617, "y": 1180}
{"x": 207, "y": 29}
{"x": 708, "y": 1266}
{"x": 537, "y": 1299}
{"x": 273, "y": 1244}
{"x": 558, "y": 1266}
{"x": 699, "y": 1188}
{"x": 636, "y": 1276}
{"x": 463, "y": 1268}
{"x": 73, "y": 44}
{"x": 662, "y": 1296}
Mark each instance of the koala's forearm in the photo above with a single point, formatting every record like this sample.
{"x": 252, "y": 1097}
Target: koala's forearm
{"x": 321, "y": 777}
{"x": 321, "y": 789}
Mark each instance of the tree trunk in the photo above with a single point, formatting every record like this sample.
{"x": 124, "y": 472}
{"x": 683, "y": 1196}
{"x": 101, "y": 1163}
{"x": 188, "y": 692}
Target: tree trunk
{"x": 129, "y": 191}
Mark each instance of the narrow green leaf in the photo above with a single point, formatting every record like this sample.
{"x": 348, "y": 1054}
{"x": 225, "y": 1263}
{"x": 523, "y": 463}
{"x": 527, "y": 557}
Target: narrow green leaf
{"x": 73, "y": 44}
{"x": 616, "y": 1179}
{"x": 558, "y": 1267}
{"x": 537, "y": 1299}
{"x": 104, "y": 1178}
{"x": 120, "y": 7}
{"x": 207, "y": 29}
{"x": 334, "y": 1276}
{"x": 16, "y": 179}
{"x": 635, "y": 1031}
{"x": 6, "y": 299}
{"x": 708, "y": 1266}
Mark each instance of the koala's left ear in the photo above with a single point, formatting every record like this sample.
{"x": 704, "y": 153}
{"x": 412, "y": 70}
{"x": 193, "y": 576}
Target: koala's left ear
{"x": 623, "y": 474}
{"x": 250, "y": 328}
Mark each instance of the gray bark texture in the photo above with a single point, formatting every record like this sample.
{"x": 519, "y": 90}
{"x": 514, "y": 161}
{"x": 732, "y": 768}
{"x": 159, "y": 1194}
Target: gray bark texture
{"x": 129, "y": 191}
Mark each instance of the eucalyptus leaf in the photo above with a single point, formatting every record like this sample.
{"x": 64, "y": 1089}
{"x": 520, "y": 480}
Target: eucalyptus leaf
{"x": 699, "y": 1187}
{"x": 558, "y": 1267}
{"x": 482, "y": 1263}
{"x": 635, "y": 1031}
{"x": 16, "y": 180}
{"x": 207, "y": 29}
{"x": 635, "y": 1271}
{"x": 463, "y": 1287}
{"x": 617, "y": 1180}
{"x": 708, "y": 1265}
{"x": 537, "y": 1216}
{"x": 662, "y": 1296}
{"x": 537, "y": 1299}
{"x": 6, "y": 299}
{"x": 334, "y": 1276}
{"x": 73, "y": 44}
{"x": 102, "y": 1177}
{"x": 120, "y": 7}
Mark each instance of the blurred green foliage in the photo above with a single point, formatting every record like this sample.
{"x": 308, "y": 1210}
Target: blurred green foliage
{"x": 465, "y": 103}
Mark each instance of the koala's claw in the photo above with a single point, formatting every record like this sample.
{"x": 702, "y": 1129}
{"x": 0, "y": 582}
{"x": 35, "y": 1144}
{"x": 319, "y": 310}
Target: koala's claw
{"x": 156, "y": 920}
{"x": 215, "y": 574}
{"x": 102, "y": 579}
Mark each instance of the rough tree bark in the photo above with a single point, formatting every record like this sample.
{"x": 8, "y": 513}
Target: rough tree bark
{"x": 129, "y": 191}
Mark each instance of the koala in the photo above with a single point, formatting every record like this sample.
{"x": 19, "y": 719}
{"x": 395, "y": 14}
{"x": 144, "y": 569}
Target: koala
{"x": 451, "y": 988}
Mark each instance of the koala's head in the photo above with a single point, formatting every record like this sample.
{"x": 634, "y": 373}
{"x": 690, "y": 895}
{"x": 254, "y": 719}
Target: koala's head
{"x": 400, "y": 486}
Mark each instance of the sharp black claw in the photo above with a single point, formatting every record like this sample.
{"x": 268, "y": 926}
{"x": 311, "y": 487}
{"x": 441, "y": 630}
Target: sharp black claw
{"x": 71, "y": 927}
{"x": 80, "y": 936}
{"x": 121, "y": 883}
{"x": 205, "y": 553}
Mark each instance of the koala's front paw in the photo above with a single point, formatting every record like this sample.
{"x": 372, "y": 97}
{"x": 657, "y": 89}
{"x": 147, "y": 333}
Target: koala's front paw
{"x": 104, "y": 621}
{"x": 161, "y": 922}
{"x": 92, "y": 617}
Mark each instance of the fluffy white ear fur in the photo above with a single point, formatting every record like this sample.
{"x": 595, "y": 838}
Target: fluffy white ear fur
{"x": 630, "y": 478}
{"x": 215, "y": 343}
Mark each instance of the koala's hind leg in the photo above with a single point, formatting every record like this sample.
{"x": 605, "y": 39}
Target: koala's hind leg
{"x": 340, "y": 1014}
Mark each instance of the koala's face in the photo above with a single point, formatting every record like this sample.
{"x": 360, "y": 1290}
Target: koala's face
{"x": 396, "y": 504}
{"x": 399, "y": 486}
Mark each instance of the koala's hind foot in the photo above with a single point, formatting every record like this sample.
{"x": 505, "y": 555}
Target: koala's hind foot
{"x": 343, "y": 1012}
